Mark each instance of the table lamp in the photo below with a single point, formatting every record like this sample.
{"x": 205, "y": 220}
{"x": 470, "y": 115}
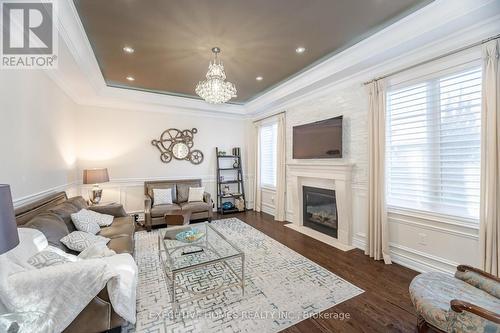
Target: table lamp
{"x": 8, "y": 227}
{"x": 95, "y": 176}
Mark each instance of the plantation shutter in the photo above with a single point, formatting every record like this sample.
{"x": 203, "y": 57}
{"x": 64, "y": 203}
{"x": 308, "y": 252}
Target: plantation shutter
{"x": 268, "y": 143}
{"x": 433, "y": 144}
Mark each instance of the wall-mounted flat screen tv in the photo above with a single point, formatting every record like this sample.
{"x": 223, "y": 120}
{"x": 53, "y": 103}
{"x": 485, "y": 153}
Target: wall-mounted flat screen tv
{"x": 322, "y": 139}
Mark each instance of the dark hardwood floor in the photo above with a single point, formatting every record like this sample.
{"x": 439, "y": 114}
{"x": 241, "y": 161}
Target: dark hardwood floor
{"x": 385, "y": 305}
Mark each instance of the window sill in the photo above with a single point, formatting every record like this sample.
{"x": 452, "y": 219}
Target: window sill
{"x": 450, "y": 220}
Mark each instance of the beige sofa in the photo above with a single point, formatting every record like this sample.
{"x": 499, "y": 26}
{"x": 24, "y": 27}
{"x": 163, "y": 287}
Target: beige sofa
{"x": 155, "y": 214}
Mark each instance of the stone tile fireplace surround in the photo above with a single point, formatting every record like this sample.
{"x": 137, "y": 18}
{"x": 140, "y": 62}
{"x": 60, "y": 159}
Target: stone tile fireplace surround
{"x": 334, "y": 176}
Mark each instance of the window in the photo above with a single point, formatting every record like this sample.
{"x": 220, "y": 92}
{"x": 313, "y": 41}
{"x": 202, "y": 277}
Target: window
{"x": 433, "y": 144}
{"x": 268, "y": 142}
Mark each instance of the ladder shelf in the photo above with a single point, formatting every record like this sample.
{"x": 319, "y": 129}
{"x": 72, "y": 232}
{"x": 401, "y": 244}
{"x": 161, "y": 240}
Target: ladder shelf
{"x": 234, "y": 180}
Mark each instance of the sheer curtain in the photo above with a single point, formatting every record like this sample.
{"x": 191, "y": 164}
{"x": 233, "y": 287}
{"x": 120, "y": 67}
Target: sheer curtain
{"x": 377, "y": 240}
{"x": 280, "y": 214}
{"x": 490, "y": 160}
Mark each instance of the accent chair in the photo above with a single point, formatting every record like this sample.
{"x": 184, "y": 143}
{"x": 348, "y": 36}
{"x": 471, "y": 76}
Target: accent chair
{"x": 466, "y": 302}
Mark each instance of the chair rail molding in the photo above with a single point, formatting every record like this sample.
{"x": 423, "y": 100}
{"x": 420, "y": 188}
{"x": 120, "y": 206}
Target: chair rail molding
{"x": 71, "y": 188}
{"x": 130, "y": 191}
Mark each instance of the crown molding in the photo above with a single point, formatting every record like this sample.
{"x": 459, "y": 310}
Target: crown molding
{"x": 80, "y": 77}
{"x": 440, "y": 27}
{"x": 435, "y": 29}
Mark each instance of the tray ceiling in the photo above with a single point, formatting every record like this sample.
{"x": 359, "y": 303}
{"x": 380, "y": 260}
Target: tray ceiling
{"x": 172, "y": 39}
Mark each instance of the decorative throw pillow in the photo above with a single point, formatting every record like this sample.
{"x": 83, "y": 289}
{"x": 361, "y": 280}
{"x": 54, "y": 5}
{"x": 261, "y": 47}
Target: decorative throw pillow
{"x": 162, "y": 196}
{"x": 103, "y": 220}
{"x": 68, "y": 256}
{"x": 46, "y": 258}
{"x": 31, "y": 241}
{"x": 80, "y": 240}
{"x": 196, "y": 194}
{"x": 183, "y": 192}
{"x": 85, "y": 221}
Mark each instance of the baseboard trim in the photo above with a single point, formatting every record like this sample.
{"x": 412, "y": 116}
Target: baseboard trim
{"x": 359, "y": 241}
{"x": 268, "y": 209}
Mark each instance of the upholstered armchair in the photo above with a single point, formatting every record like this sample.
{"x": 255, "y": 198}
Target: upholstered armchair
{"x": 467, "y": 302}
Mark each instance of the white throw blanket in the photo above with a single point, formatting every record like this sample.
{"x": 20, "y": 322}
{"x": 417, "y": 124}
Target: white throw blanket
{"x": 63, "y": 291}
{"x": 122, "y": 290}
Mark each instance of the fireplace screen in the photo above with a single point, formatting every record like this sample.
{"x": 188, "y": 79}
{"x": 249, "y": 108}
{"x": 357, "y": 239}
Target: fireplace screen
{"x": 320, "y": 210}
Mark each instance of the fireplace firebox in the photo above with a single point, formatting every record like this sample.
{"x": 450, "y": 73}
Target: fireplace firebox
{"x": 320, "y": 210}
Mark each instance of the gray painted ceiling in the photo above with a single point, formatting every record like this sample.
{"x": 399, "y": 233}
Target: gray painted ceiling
{"x": 172, "y": 38}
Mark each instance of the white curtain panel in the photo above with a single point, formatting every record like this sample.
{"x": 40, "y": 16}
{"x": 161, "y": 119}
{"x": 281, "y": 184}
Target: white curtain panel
{"x": 280, "y": 214}
{"x": 377, "y": 242}
{"x": 490, "y": 160}
{"x": 257, "y": 195}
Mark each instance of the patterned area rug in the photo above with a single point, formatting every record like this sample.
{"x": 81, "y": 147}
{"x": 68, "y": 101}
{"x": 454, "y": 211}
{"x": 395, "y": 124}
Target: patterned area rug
{"x": 282, "y": 288}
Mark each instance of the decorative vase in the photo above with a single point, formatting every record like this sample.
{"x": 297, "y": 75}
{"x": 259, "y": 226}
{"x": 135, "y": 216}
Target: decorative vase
{"x": 239, "y": 203}
{"x": 227, "y": 205}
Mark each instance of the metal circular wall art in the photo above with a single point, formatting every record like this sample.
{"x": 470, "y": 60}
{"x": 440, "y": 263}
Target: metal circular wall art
{"x": 174, "y": 143}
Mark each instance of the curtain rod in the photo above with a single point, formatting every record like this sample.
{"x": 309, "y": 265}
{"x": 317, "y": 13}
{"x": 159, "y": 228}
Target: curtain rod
{"x": 273, "y": 115}
{"x": 434, "y": 59}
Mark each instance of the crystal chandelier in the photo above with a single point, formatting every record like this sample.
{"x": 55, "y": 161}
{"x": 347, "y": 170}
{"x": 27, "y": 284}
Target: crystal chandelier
{"x": 215, "y": 89}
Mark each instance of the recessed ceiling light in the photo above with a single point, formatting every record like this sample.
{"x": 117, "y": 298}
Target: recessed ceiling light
{"x": 300, "y": 50}
{"x": 259, "y": 78}
{"x": 128, "y": 49}
{"x": 130, "y": 78}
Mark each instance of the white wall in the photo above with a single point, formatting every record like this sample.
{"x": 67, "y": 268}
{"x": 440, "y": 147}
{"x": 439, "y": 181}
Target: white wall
{"x": 43, "y": 132}
{"x": 40, "y": 126}
{"x": 120, "y": 140}
{"x": 46, "y": 140}
{"x": 350, "y": 102}
{"x": 417, "y": 241}
{"x": 37, "y": 135}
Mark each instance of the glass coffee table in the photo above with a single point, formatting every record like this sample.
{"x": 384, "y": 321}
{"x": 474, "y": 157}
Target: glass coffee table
{"x": 212, "y": 249}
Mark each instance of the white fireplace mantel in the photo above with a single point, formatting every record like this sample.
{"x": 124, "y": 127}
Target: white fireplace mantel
{"x": 333, "y": 176}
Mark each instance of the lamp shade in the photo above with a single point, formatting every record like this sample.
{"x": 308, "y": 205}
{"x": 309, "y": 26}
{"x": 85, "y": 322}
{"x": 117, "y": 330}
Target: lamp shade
{"x": 8, "y": 227}
{"x": 95, "y": 176}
